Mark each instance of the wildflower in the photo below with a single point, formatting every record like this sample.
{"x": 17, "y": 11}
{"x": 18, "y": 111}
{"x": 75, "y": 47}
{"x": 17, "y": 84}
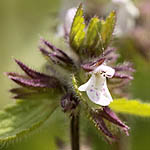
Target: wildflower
{"x": 92, "y": 57}
{"x": 96, "y": 87}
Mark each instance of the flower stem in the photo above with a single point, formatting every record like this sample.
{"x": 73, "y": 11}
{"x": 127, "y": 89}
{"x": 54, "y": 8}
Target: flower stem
{"x": 74, "y": 129}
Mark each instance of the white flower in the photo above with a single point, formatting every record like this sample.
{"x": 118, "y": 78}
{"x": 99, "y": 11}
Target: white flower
{"x": 96, "y": 87}
{"x": 127, "y": 12}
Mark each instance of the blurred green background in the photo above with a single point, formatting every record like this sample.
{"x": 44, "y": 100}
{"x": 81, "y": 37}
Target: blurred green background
{"x": 22, "y": 23}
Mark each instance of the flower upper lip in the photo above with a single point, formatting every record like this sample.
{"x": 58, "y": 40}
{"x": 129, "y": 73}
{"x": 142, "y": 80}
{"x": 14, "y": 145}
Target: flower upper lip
{"x": 105, "y": 70}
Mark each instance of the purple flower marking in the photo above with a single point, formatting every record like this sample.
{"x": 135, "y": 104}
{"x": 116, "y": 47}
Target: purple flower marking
{"x": 91, "y": 90}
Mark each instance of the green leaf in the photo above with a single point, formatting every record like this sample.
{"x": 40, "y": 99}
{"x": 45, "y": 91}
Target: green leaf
{"x": 96, "y": 37}
{"x": 131, "y": 107}
{"x": 21, "y": 118}
{"x": 93, "y": 36}
{"x": 108, "y": 28}
{"x": 77, "y": 33}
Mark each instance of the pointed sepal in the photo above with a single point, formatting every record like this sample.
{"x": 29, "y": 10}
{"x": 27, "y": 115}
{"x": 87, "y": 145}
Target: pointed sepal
{"x": 108, "y": 28}
{"x": 109, "y": 115}
{"x": 55, "y": 55}
{"x": 39, "y": 83}
{"x": 93, "y": 40}
{"x": 77, "y": 33}
{"x": 100, "y": 125}
{"x": 30, "y": 72}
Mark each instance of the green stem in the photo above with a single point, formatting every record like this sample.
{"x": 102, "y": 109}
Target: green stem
{"x": 74, "y": 129}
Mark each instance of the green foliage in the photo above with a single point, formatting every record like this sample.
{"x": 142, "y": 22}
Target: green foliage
{"x": 93, "y": 36}
{"x": 108, "y": 28}
{"x": 96, "y": 37}
{"x": 23, "y": 117}
{"x": 77, "y": 33}
{"x": 132, "y": 107}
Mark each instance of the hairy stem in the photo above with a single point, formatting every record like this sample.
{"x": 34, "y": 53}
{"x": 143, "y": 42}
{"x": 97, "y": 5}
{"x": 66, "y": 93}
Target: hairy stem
{"x": 74, "y": 129}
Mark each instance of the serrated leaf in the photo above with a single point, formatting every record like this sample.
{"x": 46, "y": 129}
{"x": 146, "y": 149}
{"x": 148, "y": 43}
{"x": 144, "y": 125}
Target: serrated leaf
{"x": 77, "y": 33}
{"x": 20, "y": 119}
{"x": 93, "y": 37}
{"x": 131, "y": 107}
{"x": 108, "y": 28}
